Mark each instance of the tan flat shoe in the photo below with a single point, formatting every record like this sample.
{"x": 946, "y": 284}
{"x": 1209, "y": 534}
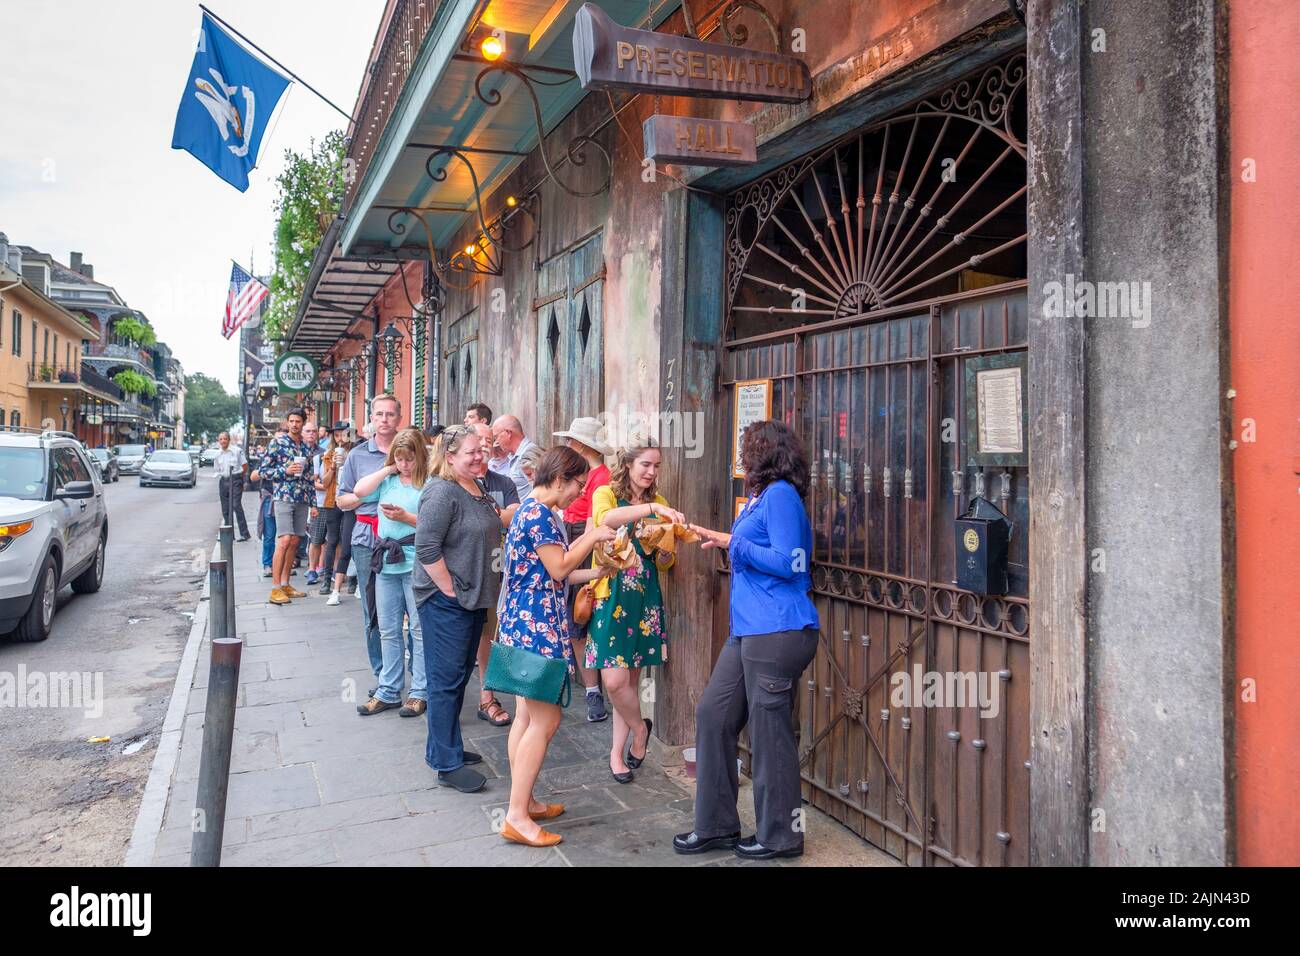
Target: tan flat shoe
{"x": 552, "y": 811}
{"x": 546, "y": 839}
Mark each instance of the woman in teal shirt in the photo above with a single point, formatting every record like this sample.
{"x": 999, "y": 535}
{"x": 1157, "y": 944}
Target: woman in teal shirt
{"x": 397, "y": 487}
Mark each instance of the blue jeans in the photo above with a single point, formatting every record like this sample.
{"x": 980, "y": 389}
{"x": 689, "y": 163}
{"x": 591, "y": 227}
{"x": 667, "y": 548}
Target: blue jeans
{"x": 453, "y": 634}
{"x": 394, "y": 597}
{"x": 369, "y": 620}
{"x": 268, "y": 533}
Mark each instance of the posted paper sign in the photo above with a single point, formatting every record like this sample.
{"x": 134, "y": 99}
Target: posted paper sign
{"x": 753, "y": 404}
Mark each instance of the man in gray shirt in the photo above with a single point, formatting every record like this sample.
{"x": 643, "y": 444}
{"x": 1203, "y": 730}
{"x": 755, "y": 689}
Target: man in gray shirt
{"x": 364, "y": 459}
{"x": 508, "y": 433}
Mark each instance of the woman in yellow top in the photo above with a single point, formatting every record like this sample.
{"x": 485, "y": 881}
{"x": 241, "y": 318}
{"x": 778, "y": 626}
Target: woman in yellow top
{"x": 626, "y": 631}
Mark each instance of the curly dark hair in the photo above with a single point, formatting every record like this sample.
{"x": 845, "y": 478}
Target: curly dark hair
{"x": 770, "y": 452}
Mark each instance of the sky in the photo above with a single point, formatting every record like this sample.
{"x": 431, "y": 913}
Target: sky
{"x": 89, "y": 97}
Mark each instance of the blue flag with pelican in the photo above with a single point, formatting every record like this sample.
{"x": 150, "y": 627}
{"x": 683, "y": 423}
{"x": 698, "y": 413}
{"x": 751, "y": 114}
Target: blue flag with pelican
{"x": 229, "y": 97}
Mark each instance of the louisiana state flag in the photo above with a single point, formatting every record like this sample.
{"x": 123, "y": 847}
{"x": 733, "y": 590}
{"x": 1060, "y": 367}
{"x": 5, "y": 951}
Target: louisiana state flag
{"x": 229, "y": 97}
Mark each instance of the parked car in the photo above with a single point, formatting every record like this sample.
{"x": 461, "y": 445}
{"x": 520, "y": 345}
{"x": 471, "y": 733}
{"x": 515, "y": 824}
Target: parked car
{"x": 105, "y": 462}
{"x": 130, "y": 458}
{"x": 209, "y": 456}
{"x": 53, "y": 528}
{"x": 169, "y": 467}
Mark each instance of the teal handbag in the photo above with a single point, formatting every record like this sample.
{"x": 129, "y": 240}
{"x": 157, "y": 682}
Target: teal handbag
{"x": 514, "y": 670}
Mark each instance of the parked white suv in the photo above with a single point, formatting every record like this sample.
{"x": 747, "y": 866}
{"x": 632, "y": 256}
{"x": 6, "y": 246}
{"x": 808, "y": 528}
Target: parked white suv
{"x": 53, "y": 528}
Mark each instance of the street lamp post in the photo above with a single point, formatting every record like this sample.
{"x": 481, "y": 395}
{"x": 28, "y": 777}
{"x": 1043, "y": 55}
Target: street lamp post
{"x": 63, "y": 407}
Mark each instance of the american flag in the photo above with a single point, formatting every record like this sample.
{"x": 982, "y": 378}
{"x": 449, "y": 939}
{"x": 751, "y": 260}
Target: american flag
{"x": 246, "y": 293}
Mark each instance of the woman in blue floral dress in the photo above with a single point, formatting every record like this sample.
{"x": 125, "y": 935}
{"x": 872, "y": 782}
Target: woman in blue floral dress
{"x": 538, "y": 563}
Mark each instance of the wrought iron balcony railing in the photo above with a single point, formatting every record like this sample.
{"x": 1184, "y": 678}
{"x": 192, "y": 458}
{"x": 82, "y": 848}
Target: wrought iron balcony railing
{"x": 388, "y": 72}
{"x": 100, "y": 383}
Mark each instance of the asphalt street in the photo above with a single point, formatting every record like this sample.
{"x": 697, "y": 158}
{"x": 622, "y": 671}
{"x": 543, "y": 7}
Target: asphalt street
{"x": 63, "y": 799}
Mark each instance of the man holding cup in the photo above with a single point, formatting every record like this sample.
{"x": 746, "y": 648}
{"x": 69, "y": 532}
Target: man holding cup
{"x": 285, "y": 465}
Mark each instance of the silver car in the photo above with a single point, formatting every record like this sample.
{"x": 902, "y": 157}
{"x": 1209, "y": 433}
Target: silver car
{"x": 169, "y": 467}
{"x": 53, "y": 528}
{"x": 130, "y": 458}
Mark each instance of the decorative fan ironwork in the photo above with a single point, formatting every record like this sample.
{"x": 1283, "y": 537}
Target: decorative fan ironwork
{"x": 892, "y": 214}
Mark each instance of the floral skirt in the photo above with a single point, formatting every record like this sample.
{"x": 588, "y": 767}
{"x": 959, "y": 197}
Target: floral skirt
{"x": 627, "y": 628}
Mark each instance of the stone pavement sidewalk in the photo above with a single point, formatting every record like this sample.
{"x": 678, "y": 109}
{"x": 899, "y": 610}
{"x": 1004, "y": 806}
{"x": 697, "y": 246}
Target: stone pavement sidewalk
{"x": 314, "y": 784}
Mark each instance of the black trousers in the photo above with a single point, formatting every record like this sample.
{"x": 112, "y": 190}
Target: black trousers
{"x": 755, "y": 681}
{"x": 233, "y": 495}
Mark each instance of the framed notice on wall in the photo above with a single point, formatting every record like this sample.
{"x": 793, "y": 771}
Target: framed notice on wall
{"x": 997, "y": 410}
{"x": 753, "y": 404}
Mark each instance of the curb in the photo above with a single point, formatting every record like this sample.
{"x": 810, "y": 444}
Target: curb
{"x": 153, "y": 806}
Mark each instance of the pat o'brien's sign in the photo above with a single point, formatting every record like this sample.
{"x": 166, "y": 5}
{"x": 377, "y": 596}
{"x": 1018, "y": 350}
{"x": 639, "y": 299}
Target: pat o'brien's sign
{"x": 612, "y": 57}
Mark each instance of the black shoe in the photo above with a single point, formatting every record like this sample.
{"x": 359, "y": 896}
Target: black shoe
{"x": 245, "y": 537}
{"x": 621, "y": 777}
{"x": 635, "y": 762}
{"x": 471, "y": 757}
{"x": 694, "y": 843}
{"x": 463, "y": 779}
{"x": 750, "y": 849}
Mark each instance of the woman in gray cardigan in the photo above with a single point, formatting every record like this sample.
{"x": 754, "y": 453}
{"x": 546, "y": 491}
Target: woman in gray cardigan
{"x": 457, "y": 541}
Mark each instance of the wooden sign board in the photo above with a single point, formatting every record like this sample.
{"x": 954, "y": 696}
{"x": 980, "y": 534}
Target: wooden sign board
{"x": 698, "y": 142}
{"x": 608, "y": 56}
{"x": 753, "y": 404}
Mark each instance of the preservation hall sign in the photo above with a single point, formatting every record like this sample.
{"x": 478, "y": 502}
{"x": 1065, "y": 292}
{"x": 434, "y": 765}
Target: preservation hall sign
{"x": 612, "y": 57}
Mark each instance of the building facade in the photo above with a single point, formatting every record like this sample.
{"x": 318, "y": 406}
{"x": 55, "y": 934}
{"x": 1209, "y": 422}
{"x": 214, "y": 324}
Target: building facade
{"x": 962, "y": 198}
{"x": 42, "y": 384}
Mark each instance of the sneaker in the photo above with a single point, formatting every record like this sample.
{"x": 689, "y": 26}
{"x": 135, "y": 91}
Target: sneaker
{"x": 465, "y": 780}
{"x": 352, "y": 585}
{"x": 266, "y": 572}
{"x": 596, "y": 708}
{"x": 279, "y": 597}
{"x": 291, "y": 591}
{"x": 325, "y": 586}
{"x": 375, "y": 706}
{"x": 312, "y": 578}
{"x": 414, "y": 707}
{"x": 334, "y": 599}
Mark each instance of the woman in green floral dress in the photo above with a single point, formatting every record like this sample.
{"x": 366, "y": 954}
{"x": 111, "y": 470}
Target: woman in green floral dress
{"x": 626, "y": 631}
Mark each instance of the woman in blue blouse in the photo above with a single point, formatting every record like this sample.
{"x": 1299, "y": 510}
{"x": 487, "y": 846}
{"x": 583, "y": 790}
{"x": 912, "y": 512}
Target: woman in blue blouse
{"x": 773, "y": 639}
{"x": 534, "y": 617}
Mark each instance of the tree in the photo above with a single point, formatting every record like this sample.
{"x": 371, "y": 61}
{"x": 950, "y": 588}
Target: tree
{"x": 208, "y": 406}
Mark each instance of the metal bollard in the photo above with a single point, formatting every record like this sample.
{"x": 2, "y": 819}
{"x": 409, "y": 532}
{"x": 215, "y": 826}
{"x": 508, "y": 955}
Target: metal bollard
{"x": 226, "y": 533}
{"x": 209, "y": 822}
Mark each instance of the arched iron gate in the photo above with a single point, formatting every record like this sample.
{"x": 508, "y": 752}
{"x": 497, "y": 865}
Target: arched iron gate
{"x": 861, "y": 280}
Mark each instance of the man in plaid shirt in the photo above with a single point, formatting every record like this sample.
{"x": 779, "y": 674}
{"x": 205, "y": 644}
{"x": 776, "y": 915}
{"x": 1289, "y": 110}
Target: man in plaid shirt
{"x": 285, "y": 465}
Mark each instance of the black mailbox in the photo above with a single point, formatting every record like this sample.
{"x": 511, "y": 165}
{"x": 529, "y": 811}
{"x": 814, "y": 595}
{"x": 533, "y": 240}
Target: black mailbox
{"x": 982, "y": 535}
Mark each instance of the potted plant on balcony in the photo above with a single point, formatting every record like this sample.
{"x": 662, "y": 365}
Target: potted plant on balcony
{"x": 67, "y": 375}
{"x": 133, "y": 383}
{"x": 46, "y": 373}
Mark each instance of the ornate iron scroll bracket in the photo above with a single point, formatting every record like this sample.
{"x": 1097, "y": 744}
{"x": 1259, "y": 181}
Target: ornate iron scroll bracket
{"x": 738, "y": 35}
{"x": 575, "y": 152}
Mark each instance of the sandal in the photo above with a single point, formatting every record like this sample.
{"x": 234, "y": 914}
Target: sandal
{"x": 492, "y": 711}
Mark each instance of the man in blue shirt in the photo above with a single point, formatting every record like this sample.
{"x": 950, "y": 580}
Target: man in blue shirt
{"x": 365, "y": 458}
